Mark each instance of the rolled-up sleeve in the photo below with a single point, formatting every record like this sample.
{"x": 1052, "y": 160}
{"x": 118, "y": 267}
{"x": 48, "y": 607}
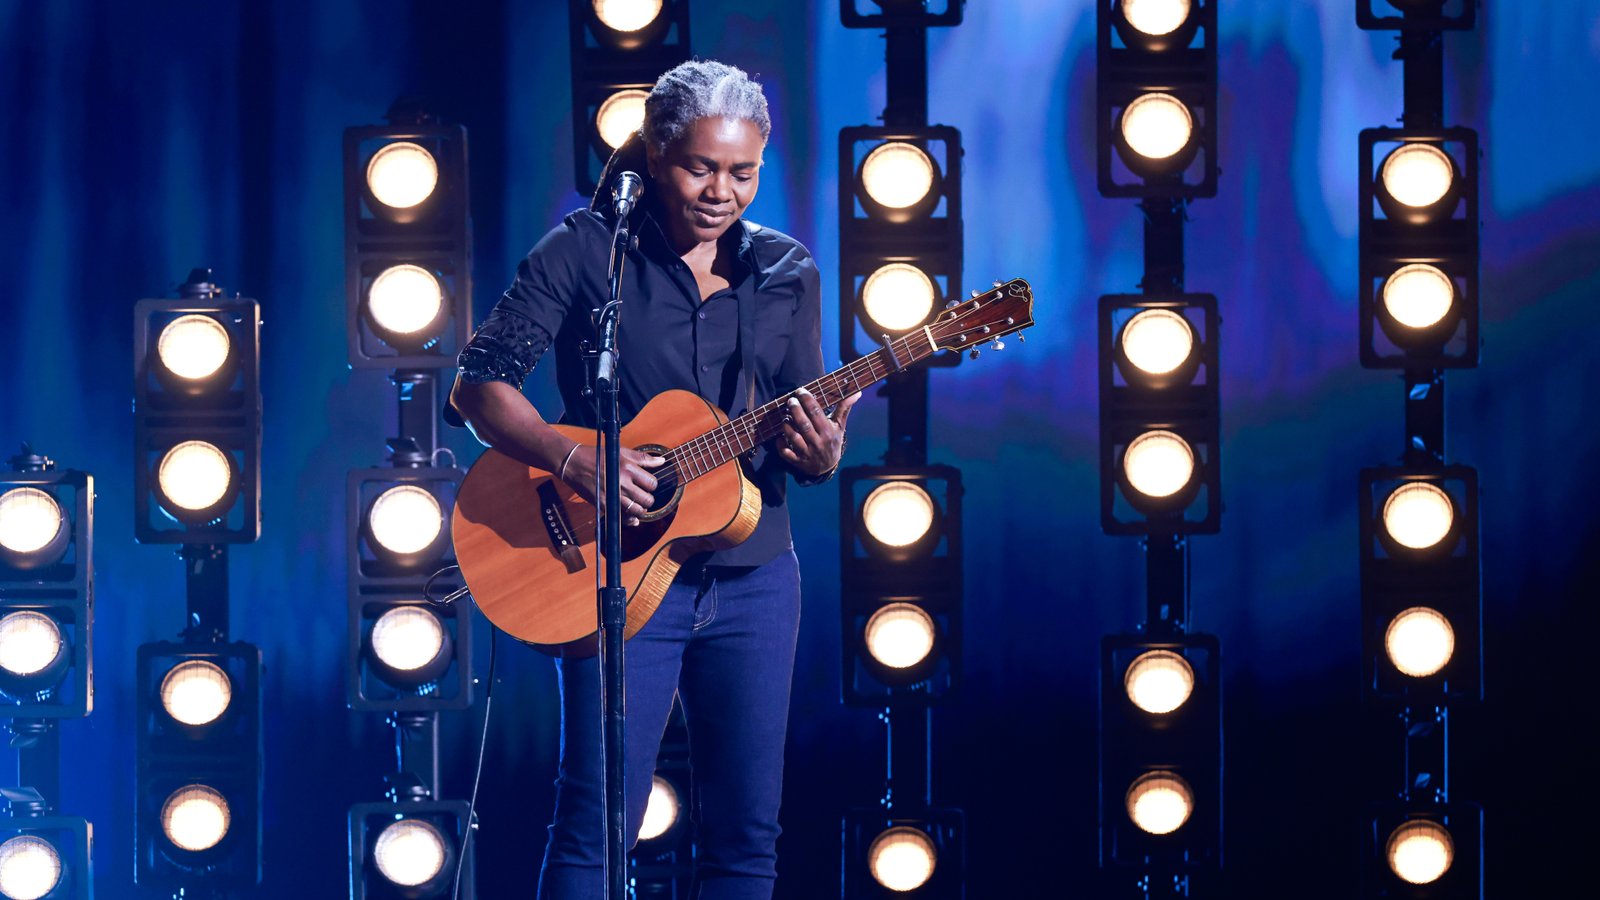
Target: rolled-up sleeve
{"x": 528, "y": 315}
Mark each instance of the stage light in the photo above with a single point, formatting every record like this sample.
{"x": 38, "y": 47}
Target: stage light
{"x": 409, "y": 639}
{"x": 30, "y": 868}
{"x": 405, "y": 300}
{"x": 898, "y": 513}
{"x": 405, "y": 519}
{"x": 1158, "y": 464}
{"x": 1418, "y": 175}
{"x": 1419, "y": 641}
{"x": 195, "y": 476}
{"x": 900, "y": 635}
{"x": 1420, "y": 851}
{"x": 1418, "y": 515}
{"x": 898, "y": 297}
{"x": 621, "y": 115}
{"x": 1159, "y": 802}
{"x": 1159, "y": 681}
{"x": 1156, "y": 17}
{"x": 1418, "y": 296}
{"x": 195, "y": 818}
{"x": 1157, "y": 341}
{"x": 29, "y": 643}
{"x": 902, "y": 858}
{"x": 626, "y": 15}
{"x": 1157, "y": 126}
{"x": 196, "y": 692}
{"x": 193, "y": 347}
{"x": 410, "y": 852}
{"x": 402, "y": 175}
{"x": 661, "y": 810}
{"x": 34, "y": 529}
{"x": 897, "y": 175}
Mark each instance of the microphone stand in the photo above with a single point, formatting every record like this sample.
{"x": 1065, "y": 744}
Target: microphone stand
{"x": 612, "y": 596}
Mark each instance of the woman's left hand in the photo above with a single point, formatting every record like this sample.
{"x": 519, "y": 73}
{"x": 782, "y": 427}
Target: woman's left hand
{"x": 814, "y": 440}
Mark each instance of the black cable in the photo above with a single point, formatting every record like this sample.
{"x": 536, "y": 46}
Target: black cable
{"x": 447, "y": 599}
{"x": 477, "y": 775}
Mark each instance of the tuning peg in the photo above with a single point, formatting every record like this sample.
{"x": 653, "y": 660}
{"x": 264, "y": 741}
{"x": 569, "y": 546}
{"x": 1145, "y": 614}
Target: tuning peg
{"x": 974, "y": 292}
{"x": 997, "y": 284}
{"x": 1022, "y": 339}
{"x": 950, "y": 305}
{"x": 973, "y": 353}
{"x": 997, "y": 345}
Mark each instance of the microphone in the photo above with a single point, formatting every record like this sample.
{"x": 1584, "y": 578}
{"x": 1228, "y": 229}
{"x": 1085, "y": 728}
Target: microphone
{"x": 625, "y": 192}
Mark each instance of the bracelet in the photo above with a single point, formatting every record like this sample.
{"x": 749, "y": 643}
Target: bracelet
{"x": 561, "y": 473}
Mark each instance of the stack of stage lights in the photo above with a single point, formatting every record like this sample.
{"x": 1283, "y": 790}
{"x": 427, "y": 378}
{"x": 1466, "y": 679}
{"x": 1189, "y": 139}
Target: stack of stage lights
{"x": 619, "y": 49}
{"x": 1160, "y": 478}
{"x": 46, "y": 660}
{"x": 197, "y": 407}
{"x": 408, "y": 266}
{"x": 1421, "y": 586}
{"x": 900, "y": 249}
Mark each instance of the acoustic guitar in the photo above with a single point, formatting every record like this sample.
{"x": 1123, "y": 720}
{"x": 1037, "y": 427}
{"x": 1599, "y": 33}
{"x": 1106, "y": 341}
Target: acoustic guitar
{"x": 526, "y": 541}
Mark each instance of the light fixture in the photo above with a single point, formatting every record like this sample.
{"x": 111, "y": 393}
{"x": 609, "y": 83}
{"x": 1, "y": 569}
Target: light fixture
{"x": 195, "y": 818}
{"x": 661, "y": 811}
{"x": 1418, "y": 515}
{"x": 1156, "y": 127}
{"x": 1419, "y": 641}
{"x": 34, "y": 528}
{"x": 898, "y": 296}
{"x": 628, "y": 25}
{"x": 900, "y": 636}
{"x": 196, "y": 692}
{"x": 1159, "y": 681}
{"x": 31, "y": 644}
{"x": 1159, "y": 802}
{"x": 1155, "y": 18}
{"x": 1158, "y": 464}
{"x": 898, "y": 178}
{"x": 195, "y": 479}
{"x": 411, "y": 852}
{"x": 405, "y": 520}
{"x": 898, "y": 514}
{"x": 1157, "y": 342}
{"x": 1418, "y": 296}
{"x": 1420, "y": 851}
{"x": 406, "y": 304}
{"x": 902, "y": 858}
{"x": 1417, "y": 184}
{"x": 410, "y": 646}
{"x": 402, "y": 175}
{"x": 619, "y": 116}
{"x": 30, "y": 868}
{"x": 194, "y": 347}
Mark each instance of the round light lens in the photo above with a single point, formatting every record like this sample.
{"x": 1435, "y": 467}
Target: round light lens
{"x": 1157, "y": 126}
{"x": 1417, "y": 175}
{"x": 195, "y": 818}
{"x": 1418, "y": 515}
{"x": 1157, "y": 341}
{"x": 29, "y": 642}
{"x": 402, "y": 175}
{"x": 30, "y": 868}
{"x": 898, "y": 513}
{"x": 29, "y": 519}
{"x": 1419, "y": 641}
{"x": 902, "y": 858}
{"x": 900, "y": 635}
{"x": 1418, "y": 296}
{"x": 407, "y": 638}
{"x": 194, "y": 475}
{"x": 406, "y": 519}
{"x": 898, "y": 296}
{"x": 1160, "y": 802}
{"x": 405, "y": 299}
{"x": 626, "y": 15}
{"x": 410, "y": 852}
{"x": 621, "y": 115}
{"x": 660, "y": 811}
{"x": 1420, "y": 851}
{"x": 897, "y": 175}
{"x": 1159, "y": 681}
{"x": 193, "y": 346}
{"x": 1158, "y": 463}
{"x": 1155, "y": 17}
{"x": 196, "y": 692}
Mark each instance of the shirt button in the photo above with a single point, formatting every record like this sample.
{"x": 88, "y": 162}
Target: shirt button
{"x": 705, "y": 368}
{"x": 702, "y": 315}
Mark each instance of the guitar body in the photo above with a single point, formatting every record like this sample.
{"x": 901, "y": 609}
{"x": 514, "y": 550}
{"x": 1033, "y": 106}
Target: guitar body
{"x": 526, "y": 541}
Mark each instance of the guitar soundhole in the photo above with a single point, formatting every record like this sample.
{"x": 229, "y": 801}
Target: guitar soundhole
{"x": 668, "y": 489}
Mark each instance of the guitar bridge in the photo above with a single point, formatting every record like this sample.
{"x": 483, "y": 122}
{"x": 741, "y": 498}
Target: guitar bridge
{"x": 556, "y": 525}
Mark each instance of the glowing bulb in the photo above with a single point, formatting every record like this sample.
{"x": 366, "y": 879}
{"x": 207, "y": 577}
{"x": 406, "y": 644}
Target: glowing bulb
{"x": 30, "y": 519}
{"x": 1418, "y": 515}
{"x": 621, "y": 115}
{"x": 1155, "y": 17}
{"x": 1418, "y": 296}
{"x": 897, "y": 175}
{"x": 1159, "y": 802}
{"x": 194, "y": 475}
{"x": 407, "y": 638}
{"x": 193, "y": 347}
{"x": 1419, "y": 641}
{"x": 1417, "y": 175}
{"x": 626, "y": 15}
{"x": 1157, "y": 341}
{"x": 902, "y": 859}
{"x": 405, "y": 299}
{"x": 196, "y": 692}
{"x": 30, "y": 868}
{"x": 405, "y": 519}
{"x": 1159, "y": 681}
{"x": 410, "y": 852}
{"x": 898, "y": 513}
{"x": 1158, "y": 463}
{"x": 660, "y": 811}
{"x": 402, "y": 175}
{"x": 898, "y": 296}
{"x": 195, "y": 818}
{"x": 900, "y": 635}
{"x": 1156, "y": 126}
{"x": 1420, "y": 851}
{"x": 29, "y": 642}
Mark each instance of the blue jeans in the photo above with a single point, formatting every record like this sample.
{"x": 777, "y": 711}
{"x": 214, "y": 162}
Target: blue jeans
{"x": 725, "y": 642}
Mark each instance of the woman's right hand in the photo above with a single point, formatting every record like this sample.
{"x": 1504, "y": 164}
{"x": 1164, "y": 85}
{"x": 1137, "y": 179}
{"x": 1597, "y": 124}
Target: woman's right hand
{"x": 637, "y": 486}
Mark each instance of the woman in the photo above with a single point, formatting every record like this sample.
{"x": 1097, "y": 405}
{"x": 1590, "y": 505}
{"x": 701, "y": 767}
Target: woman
{"x": 724, "y": 635}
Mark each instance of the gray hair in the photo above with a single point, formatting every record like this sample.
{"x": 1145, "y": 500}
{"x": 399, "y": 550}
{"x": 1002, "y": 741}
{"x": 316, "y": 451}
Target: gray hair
{"x": 698, "y": 89}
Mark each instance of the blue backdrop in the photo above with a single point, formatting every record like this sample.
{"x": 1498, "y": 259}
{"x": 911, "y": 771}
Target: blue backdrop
{"x": 144, "y": 139}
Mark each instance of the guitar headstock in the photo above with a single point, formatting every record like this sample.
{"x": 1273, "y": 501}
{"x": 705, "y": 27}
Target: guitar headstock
{"x": 1002, "y": 310}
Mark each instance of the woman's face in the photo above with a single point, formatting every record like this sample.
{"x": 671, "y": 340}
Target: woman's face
{"x": 706, "y": 178}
